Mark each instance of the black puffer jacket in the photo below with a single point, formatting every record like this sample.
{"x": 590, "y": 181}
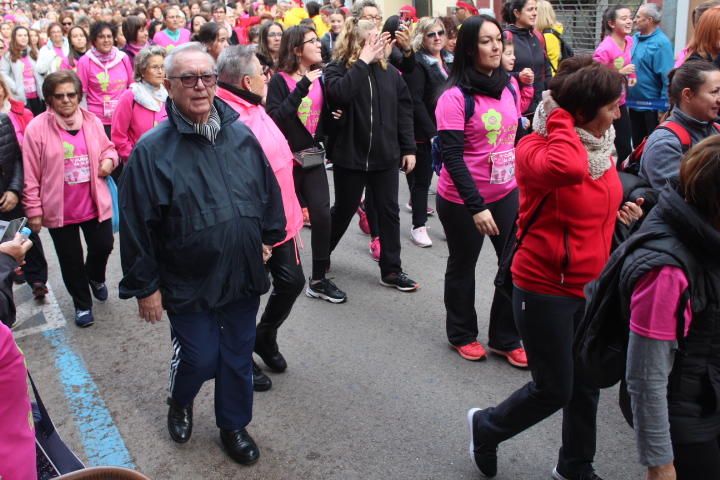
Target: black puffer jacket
{"x": 11, "y": 165}
{"x": 377, "y": 125}
{"x": 195, "y": 215}
{"x": 426, "y": 82}
{"x": 530, "y": 53}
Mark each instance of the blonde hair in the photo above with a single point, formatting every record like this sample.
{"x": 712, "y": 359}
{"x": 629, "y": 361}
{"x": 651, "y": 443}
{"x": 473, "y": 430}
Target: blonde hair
{"x": 422, "y": 28}
{"x": 351, "y": 41}
{"x": 545, "y": 16}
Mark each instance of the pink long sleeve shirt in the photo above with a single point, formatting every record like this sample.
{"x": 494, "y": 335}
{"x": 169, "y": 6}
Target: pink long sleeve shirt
{"x": 609, "y": 53}
{"x": 131, "y": 121}
{"x": 104, "y": 83}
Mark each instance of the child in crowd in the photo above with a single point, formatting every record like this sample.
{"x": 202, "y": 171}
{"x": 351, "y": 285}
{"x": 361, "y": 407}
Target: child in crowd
{"x": 523, "y": 84}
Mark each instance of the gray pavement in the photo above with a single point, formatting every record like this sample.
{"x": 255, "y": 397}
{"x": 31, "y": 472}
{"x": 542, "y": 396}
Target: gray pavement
{"x": 372, "y": 390}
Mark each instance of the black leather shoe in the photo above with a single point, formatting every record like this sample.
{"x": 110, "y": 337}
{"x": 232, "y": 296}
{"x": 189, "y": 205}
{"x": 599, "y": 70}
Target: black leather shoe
{"x": 180, "y": 421}
{"x": 261, "y": 382}
{"x": 240, "y": 446}
{"x": 274, "y": 360}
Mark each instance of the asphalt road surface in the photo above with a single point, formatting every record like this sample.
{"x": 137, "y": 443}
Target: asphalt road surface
{"x": 372, "y": 391}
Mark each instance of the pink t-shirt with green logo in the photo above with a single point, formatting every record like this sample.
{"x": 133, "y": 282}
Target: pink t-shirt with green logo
{"x": 78, "y": 204}
{"x": 311, "y": 106}
{"x": 489, "y": 143}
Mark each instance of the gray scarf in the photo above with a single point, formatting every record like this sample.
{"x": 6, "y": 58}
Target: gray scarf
{"x": 599, "y": 150}
{"x": 209, "y": 130}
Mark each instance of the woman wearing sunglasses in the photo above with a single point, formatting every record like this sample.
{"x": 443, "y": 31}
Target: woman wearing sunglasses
{"x": 296, "y": 101}
{"x": 425, "y": 83}
{"x": 66, "y": 159}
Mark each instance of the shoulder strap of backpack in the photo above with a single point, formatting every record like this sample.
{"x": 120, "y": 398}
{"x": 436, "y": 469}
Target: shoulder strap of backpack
{"x": 540, "y": 37}
{"x": 469, "y": 105}
{"x": 680, "y": 132}
{"x": 514, "y": 93}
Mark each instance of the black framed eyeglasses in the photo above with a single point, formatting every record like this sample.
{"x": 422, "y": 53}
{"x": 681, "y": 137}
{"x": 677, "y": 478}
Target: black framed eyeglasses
{"x": 312, "y": 40}
{"x": 189, "y": 81}
{"x": 438, "y": 34}
{"x": 61, "y": 96}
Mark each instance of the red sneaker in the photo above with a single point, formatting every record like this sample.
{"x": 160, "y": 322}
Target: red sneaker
{"x": 516, "y": 358}
{"x": 471, "y": 351}
{"x": 375, "y": 248}
{"x": 363, "y": 221}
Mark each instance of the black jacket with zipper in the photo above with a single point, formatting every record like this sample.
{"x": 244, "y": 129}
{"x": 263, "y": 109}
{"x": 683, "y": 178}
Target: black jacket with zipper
{"x": 11, "y": 164}
{"x": 195, "y": 215}
{"x": 426, "y": 82}
{"x": 531, "y": 53}
{"x": 376, "y": 129}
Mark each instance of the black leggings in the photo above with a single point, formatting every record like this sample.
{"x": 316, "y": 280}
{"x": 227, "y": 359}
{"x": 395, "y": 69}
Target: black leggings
{"x": 35, "y": 105}
{"x": 312, "y": 185}
{"x": 419, "y": 184}
{"x": 464, "y": 245}
{"x": 643, "y": 123}
{"x": 382, "y": 188}
{"x": 76, "y": 270}
{"x": 697, "y": 461}
{"x": 623, "y": 135}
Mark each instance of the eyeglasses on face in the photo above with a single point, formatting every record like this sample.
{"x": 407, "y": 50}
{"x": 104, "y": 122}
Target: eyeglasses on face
{"x": 63, "y": 96}
{"x": 312, "y": 40}
{"x": 159, "y": 68}
{"x": 374, "y": 18}
{"x": 274, "y": 34}
{"x": 266, "y": 71}
{"x": 438, "y": 34}
{"x": 189, "y": 81}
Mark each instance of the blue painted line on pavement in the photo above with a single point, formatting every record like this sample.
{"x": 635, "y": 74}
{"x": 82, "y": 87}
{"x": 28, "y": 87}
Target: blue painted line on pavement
{"x": 99, "y": 434}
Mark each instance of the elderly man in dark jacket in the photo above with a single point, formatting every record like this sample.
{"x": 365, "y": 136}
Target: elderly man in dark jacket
{"x": 201, "y": 208}
{"x": 11, "y": 185}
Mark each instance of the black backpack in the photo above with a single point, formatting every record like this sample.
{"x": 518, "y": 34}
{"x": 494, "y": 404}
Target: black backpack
{"x": 566, "y": 51}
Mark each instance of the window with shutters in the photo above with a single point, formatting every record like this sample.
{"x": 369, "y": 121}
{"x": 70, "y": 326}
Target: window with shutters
{"x": 582, "y": 20}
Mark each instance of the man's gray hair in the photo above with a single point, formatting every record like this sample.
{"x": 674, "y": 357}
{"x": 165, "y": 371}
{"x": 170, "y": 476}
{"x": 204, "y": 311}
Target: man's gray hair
{"x": 183, "y": 49}
{"x": 652, "y": 11}
{"x": 357, "y": 8}
{"x": 234, "y": 63}
{"x": 142, "y": 59}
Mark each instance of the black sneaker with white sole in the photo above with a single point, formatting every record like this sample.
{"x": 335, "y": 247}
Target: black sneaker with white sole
{"x": 326, "y": 290}
{"x": 399, "y": 280}
{"x": 99, "y": 290}
{"x": 556, "y": 475}
{"x": 484, "y": 456}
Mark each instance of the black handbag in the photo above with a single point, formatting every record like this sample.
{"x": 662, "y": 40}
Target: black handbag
{"x": 310, "y": 157}
{"x": 503, "y": 279}
{"x": 54, "y": 458}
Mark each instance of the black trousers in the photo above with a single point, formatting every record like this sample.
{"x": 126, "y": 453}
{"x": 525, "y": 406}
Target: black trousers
{"x": 76, "y": 270}
{"x": 464, "y": 245}
{"x": 312, "y": 185}
{"x": 371, "y": 214}
{"x": 623, "y": 135}
{"x": 419, "y": 184}
{"x": 643, "y": 122}
{"x": 288, "y": 281}
{"x": 547, "y": 326}
{"x": 216, "y": 344}
{"x": 35, "y": 105}
{"x": 383, "y": 189}
{"x": 697, "y": 461}
{"x": 35, "y": 268}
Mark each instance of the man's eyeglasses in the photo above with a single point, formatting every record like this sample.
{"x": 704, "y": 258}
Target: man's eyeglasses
{"x": 62, "y": 96}
{"x": 189, "y": 81}
{"x": 438, "y": 34}
{"x": 373, "y": 18}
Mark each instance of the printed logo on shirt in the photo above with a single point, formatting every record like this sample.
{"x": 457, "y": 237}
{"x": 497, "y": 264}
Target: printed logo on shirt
{"x": 68, "y": 150}
{"x": 304, "y": 110}
{"x": 77, "y": 168}
{"x": 619, "y": 63}
{"x": 492, "y": 119}
{"x": 104, "y": 79}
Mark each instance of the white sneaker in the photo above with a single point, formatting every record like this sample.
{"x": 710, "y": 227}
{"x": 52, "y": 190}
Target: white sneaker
{"x": 420, "y": 237}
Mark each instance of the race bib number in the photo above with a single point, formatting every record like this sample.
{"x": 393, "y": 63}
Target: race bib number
{"x": 503, "y": 166}
{"x": 29, "y": 85}
{"x": 109, "y": 107}
{"x": 77, "y": 170}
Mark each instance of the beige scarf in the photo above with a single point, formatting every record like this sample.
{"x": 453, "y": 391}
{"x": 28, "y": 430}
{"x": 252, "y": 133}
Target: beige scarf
{"x": 73, "y": 122}
{"x": 599, "y": 150}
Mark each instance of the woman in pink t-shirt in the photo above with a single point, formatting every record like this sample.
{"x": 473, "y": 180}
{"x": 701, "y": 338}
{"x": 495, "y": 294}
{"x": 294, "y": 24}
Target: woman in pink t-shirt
{"x": 18, "y": 69}
{"x": 66, "y": 157}
{"x": 105, "y": 72}
{"x": 615, "y": 51}
{"x": 477, "y": 194}
{"x": 174, "y": 34}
